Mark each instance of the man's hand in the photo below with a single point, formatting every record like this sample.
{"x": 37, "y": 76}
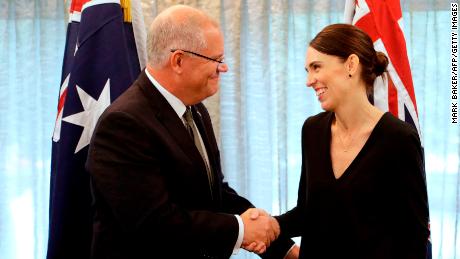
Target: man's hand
{"x": 260, "y": 229}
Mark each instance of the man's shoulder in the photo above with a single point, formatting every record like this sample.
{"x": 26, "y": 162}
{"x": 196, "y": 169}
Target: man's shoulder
{"x": 135, "y": 97}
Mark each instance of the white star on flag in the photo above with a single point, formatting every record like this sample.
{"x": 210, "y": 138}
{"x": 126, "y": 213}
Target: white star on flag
{"x": 92, "y": 109}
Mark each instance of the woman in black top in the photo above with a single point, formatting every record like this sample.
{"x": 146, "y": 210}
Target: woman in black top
{"x": 362, "y": 192}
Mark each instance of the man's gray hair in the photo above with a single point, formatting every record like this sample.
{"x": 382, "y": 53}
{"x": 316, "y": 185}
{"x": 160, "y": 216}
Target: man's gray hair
{"x": 169, "y": 32}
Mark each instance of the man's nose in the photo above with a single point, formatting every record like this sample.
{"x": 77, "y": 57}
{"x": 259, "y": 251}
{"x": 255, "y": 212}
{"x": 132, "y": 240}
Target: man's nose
{"x": 223, "y": 67}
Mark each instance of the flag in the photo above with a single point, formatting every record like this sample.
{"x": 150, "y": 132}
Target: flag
{"x": 104, "y": 53}
{"x": 382, "y": 21}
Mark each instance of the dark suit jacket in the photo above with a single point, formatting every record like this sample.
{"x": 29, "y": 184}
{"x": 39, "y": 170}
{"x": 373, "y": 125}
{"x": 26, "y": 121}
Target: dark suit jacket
{"x": 151, "y": 192}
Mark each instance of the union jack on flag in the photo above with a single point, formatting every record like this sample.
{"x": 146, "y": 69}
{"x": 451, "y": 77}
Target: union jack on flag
{"x": 382, "y": 21}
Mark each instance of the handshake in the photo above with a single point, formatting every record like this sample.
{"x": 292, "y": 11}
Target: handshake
{"x": 260, "y": 229}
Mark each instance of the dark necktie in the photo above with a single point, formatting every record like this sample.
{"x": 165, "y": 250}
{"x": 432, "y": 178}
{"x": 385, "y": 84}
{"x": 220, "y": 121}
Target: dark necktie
{"x": 195, "y": 135}
{"x": 188, "y": 122}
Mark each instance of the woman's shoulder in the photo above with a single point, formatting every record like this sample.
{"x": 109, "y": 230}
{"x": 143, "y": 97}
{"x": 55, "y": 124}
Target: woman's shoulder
{"x": 315, "y": 129}
{"x": 398, "y": 132}
{"x": 394, "y": 126}
{"x": 318, "y": 121}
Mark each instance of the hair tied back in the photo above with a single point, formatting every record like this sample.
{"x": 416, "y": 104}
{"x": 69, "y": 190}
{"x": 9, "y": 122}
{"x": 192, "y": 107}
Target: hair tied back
{"x": 381, "y": 63}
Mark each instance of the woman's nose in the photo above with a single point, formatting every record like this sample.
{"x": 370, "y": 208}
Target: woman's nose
{"x": 310, "y": 80}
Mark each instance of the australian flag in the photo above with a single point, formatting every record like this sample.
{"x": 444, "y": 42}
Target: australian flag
{"x": 102, "y": 59}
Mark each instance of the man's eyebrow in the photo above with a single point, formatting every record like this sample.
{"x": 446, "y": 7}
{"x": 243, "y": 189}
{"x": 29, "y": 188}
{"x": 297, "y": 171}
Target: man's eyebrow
{"x": 219, "y": 56}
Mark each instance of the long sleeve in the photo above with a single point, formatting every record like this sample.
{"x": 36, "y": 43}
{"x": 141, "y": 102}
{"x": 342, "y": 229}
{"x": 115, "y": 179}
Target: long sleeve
{"x": 414, "y": 201}
{"x": 292, "y": 222}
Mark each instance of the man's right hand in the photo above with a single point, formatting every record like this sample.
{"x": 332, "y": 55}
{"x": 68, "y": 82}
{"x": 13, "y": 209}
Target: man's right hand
{"x": 260, "y": 229}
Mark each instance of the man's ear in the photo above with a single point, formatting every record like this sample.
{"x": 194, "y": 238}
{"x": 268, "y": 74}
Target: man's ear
{"x": 176, "y": 62}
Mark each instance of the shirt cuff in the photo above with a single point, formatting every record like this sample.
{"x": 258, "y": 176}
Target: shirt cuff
{"x": 239, "y": 241}
{"x": 285, "y": 256}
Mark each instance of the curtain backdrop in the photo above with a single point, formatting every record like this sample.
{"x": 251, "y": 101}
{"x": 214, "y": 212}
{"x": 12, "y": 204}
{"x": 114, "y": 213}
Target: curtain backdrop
{"x": 258, "y": 112}
{"x": 32, "y": 38}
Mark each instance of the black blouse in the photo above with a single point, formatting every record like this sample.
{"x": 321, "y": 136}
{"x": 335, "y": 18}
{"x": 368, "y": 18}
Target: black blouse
{"x": 378, "y": 208}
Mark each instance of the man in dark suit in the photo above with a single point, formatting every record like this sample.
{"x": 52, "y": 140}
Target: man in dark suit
{"x": 155, "y": 165}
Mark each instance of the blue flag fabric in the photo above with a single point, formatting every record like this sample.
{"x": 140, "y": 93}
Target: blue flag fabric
{"x": 69, "y": 50}
{"x": 101, "y": 66}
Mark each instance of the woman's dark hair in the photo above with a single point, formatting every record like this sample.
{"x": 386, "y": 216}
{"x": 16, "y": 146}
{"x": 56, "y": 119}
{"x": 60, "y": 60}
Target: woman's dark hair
{"x": 342, "y": 40}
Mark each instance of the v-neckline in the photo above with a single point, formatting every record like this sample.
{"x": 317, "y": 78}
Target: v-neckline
{"x": 355, "y": 160}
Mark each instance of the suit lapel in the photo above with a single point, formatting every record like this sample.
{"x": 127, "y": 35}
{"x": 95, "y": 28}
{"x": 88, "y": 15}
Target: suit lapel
{"x": 198, "y": 118}
{"x": 208, "y": 136}
{"x": 175, "y": 127}
{"x": 169, "y": 119}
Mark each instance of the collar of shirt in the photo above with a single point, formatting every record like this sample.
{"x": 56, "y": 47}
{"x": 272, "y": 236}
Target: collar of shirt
{"x": 176, "y": 104}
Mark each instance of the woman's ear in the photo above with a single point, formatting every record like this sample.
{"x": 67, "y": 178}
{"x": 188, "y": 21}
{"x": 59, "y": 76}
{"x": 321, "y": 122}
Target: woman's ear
{"x": 352, "y": 64}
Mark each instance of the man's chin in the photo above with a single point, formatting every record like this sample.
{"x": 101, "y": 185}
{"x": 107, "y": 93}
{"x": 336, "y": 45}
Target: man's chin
{"x": 213, "y": 90}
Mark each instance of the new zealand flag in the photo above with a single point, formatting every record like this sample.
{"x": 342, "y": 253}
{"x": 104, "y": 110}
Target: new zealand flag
{"x": 100, "y": 62}
{"x": 382, "y": 21}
